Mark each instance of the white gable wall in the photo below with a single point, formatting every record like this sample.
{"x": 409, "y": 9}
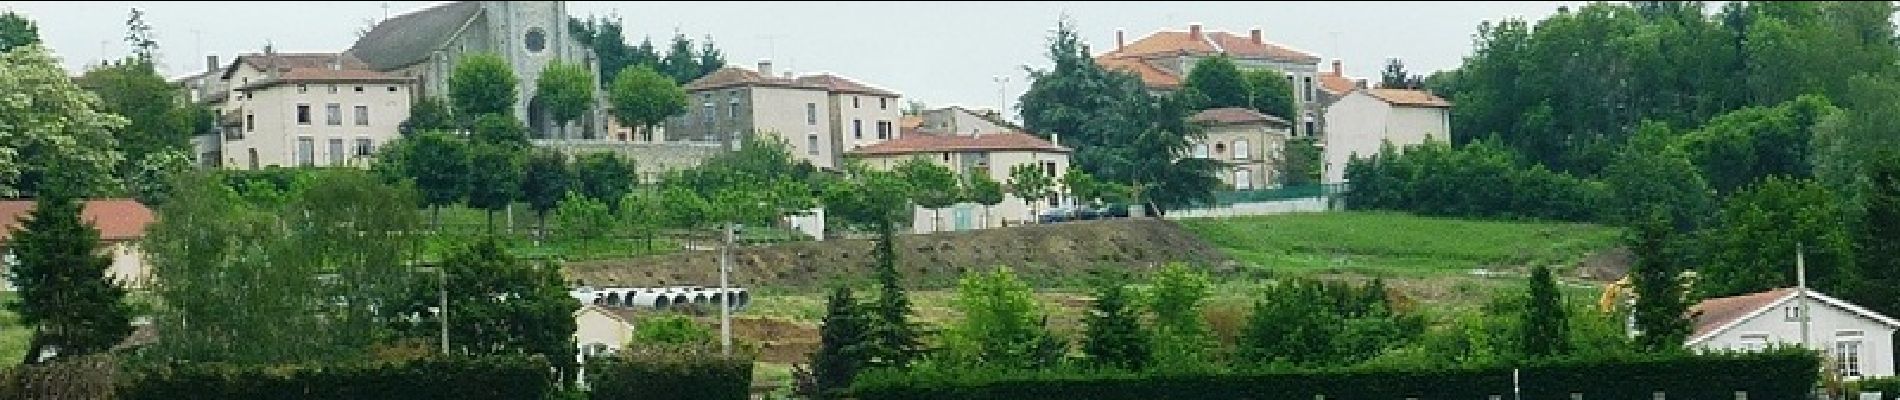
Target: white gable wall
{"x": 1827, "y": 325}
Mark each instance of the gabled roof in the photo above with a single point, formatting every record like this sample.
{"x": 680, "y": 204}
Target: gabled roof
{"x": 1408, "y": 98}
{"x": 326, "y": 75}
{"x": 934, "y": 143}
{"x": 1712, "y": 317}
{"x": 1335, "y": 84}
{"x": 116, "y": 219}
{"x": 1235, "y": 115}
{"x": 839, "y": 84}
{"x": 1170, "y": 43}
{"x": 735, "y": 77}
{"x": 1150, "y": 75}
{"x": 409, "y": 38}
{"x": 288, "y": 61}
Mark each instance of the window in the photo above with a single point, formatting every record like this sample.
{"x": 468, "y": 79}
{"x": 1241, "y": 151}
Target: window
{"x": 253, "y": 153}
{"x": 1049, "y": 167}
{"x": 857, "y": 129}
{"x": 1306, "y": 88}
{"x": 336, "y": 152}
{"x": 306, "y": 151}
{"x": 1310, "y": 127}
{"x": 811, "y": 144}
{"x": 302, "y": 88}
{"x": 250, "y": 122}
{"x": 1791, "y": 313}
{"x": 536, "y": 40}
{"x": 811, "y": 113}
{"x": 332, "y": 89}
{"x": 303, "y": 114}
{"x": 365, "y": 147}
{"x": 883, "y": 130}
{"x": 392, "y": 89}
{"x": 1847, "y": 354}
{"x": 854, "y": 101}
{"x": 1220, "y": 148}
{"x": 333, "y": 114}
{"x": 1241, "y": 152}
{"x": 708, "y": 107}
{"x": 946, "y": 157}
{"x": 1243, "y": 179}
{"x": 732, "y": 111}
{"x": 1754, "y": 341}
{"x": 362, "y": 115}
{"x": 1200, "y": 150}
{"x": 359, "y": 89}
{"x": 883, "y": 103}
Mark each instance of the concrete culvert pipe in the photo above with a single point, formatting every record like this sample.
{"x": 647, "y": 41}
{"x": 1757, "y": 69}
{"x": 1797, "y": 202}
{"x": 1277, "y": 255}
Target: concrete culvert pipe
{"x": 681, "y": 299}
{"x": 654, "y": 300}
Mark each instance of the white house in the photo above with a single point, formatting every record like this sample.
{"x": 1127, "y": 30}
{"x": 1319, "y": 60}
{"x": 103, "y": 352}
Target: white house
{"x": 1359, "y": 122}
{"x": 990, "y": 154}
{"x": 602, "y": 330}
{"x": 121, "y": 224}
{"x": 1858, "y": 342}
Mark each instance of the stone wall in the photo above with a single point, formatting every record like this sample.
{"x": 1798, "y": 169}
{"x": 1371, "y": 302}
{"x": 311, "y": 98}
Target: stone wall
{"x": 650, "y": 158}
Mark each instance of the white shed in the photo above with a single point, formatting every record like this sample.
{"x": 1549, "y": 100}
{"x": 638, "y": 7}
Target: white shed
{"x": 1858, "y": 342}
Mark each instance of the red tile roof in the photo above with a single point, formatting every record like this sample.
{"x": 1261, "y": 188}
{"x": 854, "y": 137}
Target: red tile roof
{"x": 1149, "y": 74}
{"x": 116, "y": 219}
{"x": 1335, "y": 84}
{"x": 735, "y": 77}
{"x": 841, "y": 84}
{"x": 1408, "y": 97}
{"x": 1179, "y": 42}
{"x": 909, "y": 122}
{"x": 1235, "y": 115}
{"x": 929, "y": 143}
{"x": 288, "y": 61}
{"x": 326, "y": 75}
{"x": 1714, "y": 313}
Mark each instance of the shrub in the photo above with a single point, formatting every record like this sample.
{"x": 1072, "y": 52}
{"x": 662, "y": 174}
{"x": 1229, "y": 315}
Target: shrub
{"x": 670, "y": 372}
{"x": 460, "y": 378}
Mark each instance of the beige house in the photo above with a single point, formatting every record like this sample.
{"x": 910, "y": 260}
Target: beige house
{"x": 121, "y": 224}
{"x": 602, "y": 330}
{"x": 1249, "y": 145}
{"x": 302, "y": 109}
{"x": 1163, "y": 60}
{"x": 820, "y": 117}
{"x": 955, "y": 120}
{"x": 1361, "y": 121}
{"x": 991, "y": 154}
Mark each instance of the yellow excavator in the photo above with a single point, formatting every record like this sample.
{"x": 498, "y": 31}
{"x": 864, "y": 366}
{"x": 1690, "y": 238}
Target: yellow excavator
{"x": 1615, "y": 291}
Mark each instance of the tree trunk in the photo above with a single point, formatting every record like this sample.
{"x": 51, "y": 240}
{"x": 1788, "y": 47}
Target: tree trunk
{"x": 541, "y": 233}
{"x": 491, "y": 221}
{"x": 435, "y": 218}
{"x": 34, "y": 347}
{"x": 936, "y": 214}
{"x": 986, "y": 216}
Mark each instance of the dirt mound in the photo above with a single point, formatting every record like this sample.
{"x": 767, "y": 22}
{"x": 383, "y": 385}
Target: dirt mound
{"x": 1055, "y": 252}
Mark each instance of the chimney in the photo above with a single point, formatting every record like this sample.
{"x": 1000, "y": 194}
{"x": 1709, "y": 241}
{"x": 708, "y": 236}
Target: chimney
{"x": 1338, "y": 70}
{"x": 765, "y": 67}
{"x": 1121, "y": 39}
{"x": 211, "y": 63}
{"x": 1256, "y": 37}
{"x": 1194, "y": 31}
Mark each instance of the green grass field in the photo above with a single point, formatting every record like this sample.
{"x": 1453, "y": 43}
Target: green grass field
{"x": 1394, "y": 244}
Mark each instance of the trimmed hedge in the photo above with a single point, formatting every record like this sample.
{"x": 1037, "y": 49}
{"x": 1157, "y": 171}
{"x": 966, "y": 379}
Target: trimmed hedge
{"x": 1780, "y": 374}
{"x": 651, "y": 372}
{"x": 458, "y": 378}
{"x": 1889, "y": 388}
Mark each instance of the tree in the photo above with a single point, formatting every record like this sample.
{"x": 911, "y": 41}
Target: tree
{"x": 545, "y": 180}
{"x": 645, "y": 212}
{"x": 1660, "y": 303}
{"x": 1309, "y": 323}
{"x": 1546, "y": 328}
{"x": 1182, "y": 340}
{"x": 608, "y": 41}
{"x": 681, "y": 62}
{"x": 1029, "y": 183}
{"x": 710, "y": 58}
{"x": 604, "y": 177}
{"x": 494, "y": 174}
{"x": 55, "y": 123}
{"x": 672, "y": 329}
{"x": 1219, "y": 83}
{"x": 1745, "y": 145}
{"x": 1002, "y": 327}
{"x": 1113, "y": 336}
{"x": 644, "y": 98}
{"x": 501, "y": 305}
{"x": 482, "y": 84}
{"x": 1395, "y": 77}
{"x": 499, "y": 130}
{"x": 981, "y": 189}
{"x": 1650, "y": 172}
{"x": 583, "y": 218}
{"x": 160, "y": 122}
{"x": 1082, "y": 186}
{"x": 439, "y": 164}
{"x": 935, "y": 186}
{"x": 1301, "y": 163}
{"x": 566, "y": 91}
{"x": 1752, "y": 243}
{"x": 428, "y": 113}
{"x": 1844, "y": 141}
{"x": 1875, "y": 272}
{"x": 65, "y": 294}
{"x": 881, "y": 200}
{"x": 1271, "y": 93}
{"x": 841, "y": 343}
{"x": 139, "y": 36}
{"x": 17, "y": 31}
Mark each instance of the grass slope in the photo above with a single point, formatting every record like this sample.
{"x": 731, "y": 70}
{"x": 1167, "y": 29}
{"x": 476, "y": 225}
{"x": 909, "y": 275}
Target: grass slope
{"x": 1394, "y": 244}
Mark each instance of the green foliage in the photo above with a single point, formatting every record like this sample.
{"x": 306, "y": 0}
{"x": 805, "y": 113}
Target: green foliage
{"x": 684, "y": 64}
{"x": 604, "y": 177}
{"x": 439, "y": 163}
{"x": 1660, "y": 301}
{"x": 1779, "y": 374}
{"x": 54, "y": 125}
{"x": 1876, "y": 274}
{"x": 1751, "y": 143}
{"x": 494, "y": 174}
{"x": 16, "y": 31}
{"x": 471, "y": 378}
{"x": 1751, "y": 246}
{"x": 643, "y": 97}
{"x": 1301, "y": 165}
{"x": 982, "y": 189}
{"x": 1546, "y": 328}
{"x": 1270, "y": 93}
{"x": 1651, "y": 173}
{"x": 1082, "y": 186}
{"x": 501, "y": 305}
{"x": 1845, "y": 141}
{"x": 482, "y": 84}
{"x": 566, "y": 90}
{"x": 1217, "y": 83}
{"x": 1395, "y": 77}
{"x": 428, "y": 113}
{"x": 1182, "y": 339}
{"x": 65, "y": 294}
{"x": 1308, "y": 323}
{"x": 579, "y": 217}
{"x": 933, "y": 186}
{"x": 671, "y": 329}
{"x": 499, "y": 130}
{"x": 1114, "y": 337}
{"x": 841, "y": 343}
{"x": 160, "y": 121}
{"x": 670, "y": 373}
{"x": 645, "y": 212}
{"x": 868, "y": 199}
{"x": 1473, "y": 180}
{"x": 1030, "y": 183}
{"x": 1002, "y": 327}
{"x": 1384, "y": 243}
{"x": 546, "y": 179}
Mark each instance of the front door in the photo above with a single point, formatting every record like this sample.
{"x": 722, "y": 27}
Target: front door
{"x": 964, "y": 216}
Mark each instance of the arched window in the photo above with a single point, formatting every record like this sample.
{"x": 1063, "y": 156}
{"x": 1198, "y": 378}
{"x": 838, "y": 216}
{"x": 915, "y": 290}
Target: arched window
{"x": 536, "y": 40}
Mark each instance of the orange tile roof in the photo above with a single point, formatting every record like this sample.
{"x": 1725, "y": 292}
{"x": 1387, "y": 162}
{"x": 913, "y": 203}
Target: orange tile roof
{"x": 841, "y": 84}
{"x": 734, "y": 76}
{"x": 1714, "y": 313}
{"x": 288, "y": 61}
{"x": 1180, "y": 42}
{"x": 1408, "y": 97}
{"x": 928, "y": 143}
{"x": 1149, "y": 74}
{"x": 1335, "y": 84}
{"x": 327, "y": 75}
{"x": 1243, "y": 46}
{"x": 1235, "y": 115}
{"x": 909, "y": 122}
{"x": 116, "y": 219}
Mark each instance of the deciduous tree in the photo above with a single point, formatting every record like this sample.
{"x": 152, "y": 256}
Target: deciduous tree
{"x": 644, "y": 98}
{"x": 566, "y": 91}
{"x": 482, "y": 84}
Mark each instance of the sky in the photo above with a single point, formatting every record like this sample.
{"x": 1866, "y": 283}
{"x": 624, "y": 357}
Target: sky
{"x": 938, "y": 53}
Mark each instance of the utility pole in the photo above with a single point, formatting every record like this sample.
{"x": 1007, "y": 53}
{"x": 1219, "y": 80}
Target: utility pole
{"x": 442, "y": 290}
{"x": 1801, "y": 290}
{"x": 1002, "y": 99}
{"x": 725, "y": 295}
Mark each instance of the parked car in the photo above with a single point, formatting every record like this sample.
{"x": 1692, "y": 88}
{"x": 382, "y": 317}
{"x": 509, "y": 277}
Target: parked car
{"x": 1054, "y": 215}
{"x": 1117, "y": 210}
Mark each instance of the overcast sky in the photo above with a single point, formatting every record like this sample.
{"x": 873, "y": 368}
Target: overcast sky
{"x": 940, "y": 53}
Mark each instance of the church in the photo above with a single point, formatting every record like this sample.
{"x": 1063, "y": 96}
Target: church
{"x": 425, "y": 46}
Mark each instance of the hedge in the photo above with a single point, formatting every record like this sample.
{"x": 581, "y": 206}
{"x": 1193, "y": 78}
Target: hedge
{"x": 457, "y": 378}
{"x": 1889, "y": 388}
{"x": 651, "y": 372}
{"x": 1781, "y": 374}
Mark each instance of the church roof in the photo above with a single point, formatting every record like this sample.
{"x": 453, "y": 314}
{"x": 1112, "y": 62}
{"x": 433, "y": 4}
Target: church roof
{"x": 409, "y": 38}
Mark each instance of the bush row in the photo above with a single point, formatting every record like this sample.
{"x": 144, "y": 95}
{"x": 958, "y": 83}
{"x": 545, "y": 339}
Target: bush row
{"x": 660, "y": 372}
{"x": 458, "y": 378}
{"x": 1779, "y": 374}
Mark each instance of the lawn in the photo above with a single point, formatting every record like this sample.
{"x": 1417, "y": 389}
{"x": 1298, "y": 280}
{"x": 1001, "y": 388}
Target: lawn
{"x": 1394, "y": 244}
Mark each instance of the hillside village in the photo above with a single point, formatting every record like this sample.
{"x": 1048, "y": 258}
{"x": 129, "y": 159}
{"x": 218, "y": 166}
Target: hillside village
{"x": 507, "y": 199}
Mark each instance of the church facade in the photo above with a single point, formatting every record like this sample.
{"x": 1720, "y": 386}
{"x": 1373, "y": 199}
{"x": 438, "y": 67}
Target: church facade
{"x": 425, "y": 45}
